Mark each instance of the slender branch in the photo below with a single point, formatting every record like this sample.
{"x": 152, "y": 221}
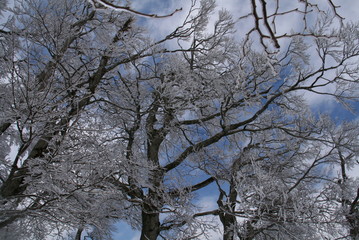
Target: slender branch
{"x": 109, "y": 5}
{"x": 265, "y": 19}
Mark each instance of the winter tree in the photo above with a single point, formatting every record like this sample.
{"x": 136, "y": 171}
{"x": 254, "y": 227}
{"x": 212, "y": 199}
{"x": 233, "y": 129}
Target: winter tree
{"x": 100, "y": 123}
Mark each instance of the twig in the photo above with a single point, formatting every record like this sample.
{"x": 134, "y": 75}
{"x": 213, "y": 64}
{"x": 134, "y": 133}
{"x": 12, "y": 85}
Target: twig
{"x": 107, "y": 4}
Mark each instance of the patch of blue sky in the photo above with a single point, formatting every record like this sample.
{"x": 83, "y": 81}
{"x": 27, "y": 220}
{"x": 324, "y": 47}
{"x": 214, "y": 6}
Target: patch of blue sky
{"x": 152, "y": 6}
{"x": 125, "y": 232}
{"x": 337, "y": 111}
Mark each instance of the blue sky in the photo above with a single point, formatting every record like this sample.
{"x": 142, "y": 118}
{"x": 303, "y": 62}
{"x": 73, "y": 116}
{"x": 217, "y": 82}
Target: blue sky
{"x": 125, "y": 232}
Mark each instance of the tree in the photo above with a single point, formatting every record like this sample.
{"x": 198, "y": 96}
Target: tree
{"x": 263, "y": 179}
{"x": 56, "y": 56}
{"x": 53, "y": 62}
{"x": 109, "y": 125}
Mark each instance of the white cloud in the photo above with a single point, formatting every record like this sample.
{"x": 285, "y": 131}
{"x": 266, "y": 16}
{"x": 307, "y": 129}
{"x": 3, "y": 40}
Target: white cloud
{"x": 207, "y": 203}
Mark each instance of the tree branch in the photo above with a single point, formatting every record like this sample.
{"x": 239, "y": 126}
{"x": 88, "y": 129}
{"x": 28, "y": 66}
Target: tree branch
{"x": 109, "y": 5}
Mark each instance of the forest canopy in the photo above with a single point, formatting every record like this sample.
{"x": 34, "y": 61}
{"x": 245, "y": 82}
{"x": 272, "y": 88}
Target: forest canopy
{"x": 107, "y": 118}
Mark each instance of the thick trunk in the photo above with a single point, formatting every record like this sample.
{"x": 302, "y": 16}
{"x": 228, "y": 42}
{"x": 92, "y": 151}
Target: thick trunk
{"x": 229, "y": 223}
{"x": 150, "y": 223}
{"x": 250, "y": 232}
{"x": 4, "y": 127}
{"x": 354, "y": 232}
{"x": 79, "y": 233}
{"x": 9, "y": 221}
{"x": 227, "y": 213}
{"x": 353, "y": 220}
{"x": 229, "y": 227}
{"x": 13, "y": 185}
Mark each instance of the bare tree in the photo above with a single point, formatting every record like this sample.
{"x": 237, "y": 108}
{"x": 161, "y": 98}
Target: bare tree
{"x": 55, "y": 54}
{"x": 99, "y": 123}
{"x": 55, "y": 63}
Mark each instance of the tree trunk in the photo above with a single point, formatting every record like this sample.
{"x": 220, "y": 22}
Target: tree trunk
{"x": 250, "y": 232}
{"x": 150, "y": 223}
{"x": 228, "y": 227}
{"x": 3, "y": 127}
{"x": 353, "y": 220}
{"x": 79, "y": 233}
{"x": 226, "y": 214}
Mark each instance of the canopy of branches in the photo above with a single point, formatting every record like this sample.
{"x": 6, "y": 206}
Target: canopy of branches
{"x": 103, "y": 120}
